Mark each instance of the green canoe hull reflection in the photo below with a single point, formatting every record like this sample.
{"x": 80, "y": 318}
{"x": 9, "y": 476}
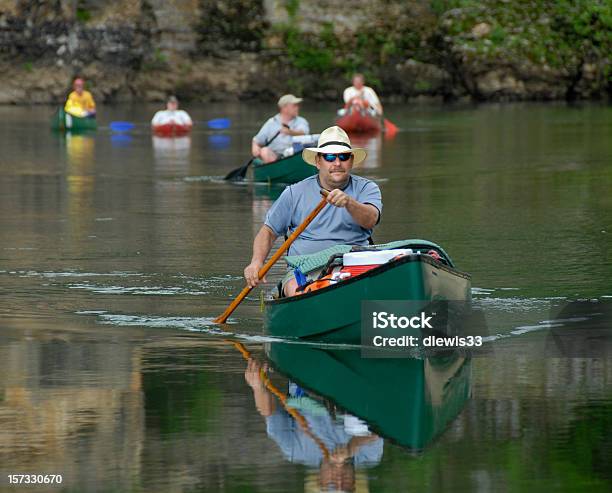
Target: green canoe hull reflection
{"x": 410, "y": 401}
{"x": 333, "y": 314}
{"x": 287, "y": 170}
{"x": 65, "y": 122}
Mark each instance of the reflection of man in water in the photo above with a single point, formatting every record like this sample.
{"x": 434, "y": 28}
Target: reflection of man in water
{"x": 345, "y": 440}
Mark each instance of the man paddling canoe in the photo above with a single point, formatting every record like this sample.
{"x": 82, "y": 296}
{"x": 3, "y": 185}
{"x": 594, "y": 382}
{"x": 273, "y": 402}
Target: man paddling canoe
{"x": 362, "y": 96}
{"x": 274, "y": 137}
{"x": 172, "y": 120}
{"x": 80, "y": 102}
{"x": 356, "y": 201}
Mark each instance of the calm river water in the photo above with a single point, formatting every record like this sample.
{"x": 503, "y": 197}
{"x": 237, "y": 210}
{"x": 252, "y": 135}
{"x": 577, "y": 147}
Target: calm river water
{"x": 116, "y": 251}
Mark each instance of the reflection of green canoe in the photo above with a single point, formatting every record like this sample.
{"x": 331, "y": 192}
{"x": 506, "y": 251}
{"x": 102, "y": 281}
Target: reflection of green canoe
{"x": 333, "y": 314}
{"x": 64, "y": 122}
{"x": 287, "y": 170}
{"x": 409, "y": 401}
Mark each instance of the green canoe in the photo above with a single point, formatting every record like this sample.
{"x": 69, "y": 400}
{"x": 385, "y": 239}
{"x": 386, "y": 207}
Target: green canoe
{"x": 65, "y": 122}
{"x": 409, "y": 401}
{"x": 333, "y": 314}
{"x": 287, "y": 170}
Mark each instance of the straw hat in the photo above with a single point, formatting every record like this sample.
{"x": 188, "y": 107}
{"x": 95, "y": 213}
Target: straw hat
{"x": 333, "y": 140}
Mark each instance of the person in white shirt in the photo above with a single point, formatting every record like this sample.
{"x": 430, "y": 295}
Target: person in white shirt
{"x": 172, "y": 115}
{"x": 359, "y": 94}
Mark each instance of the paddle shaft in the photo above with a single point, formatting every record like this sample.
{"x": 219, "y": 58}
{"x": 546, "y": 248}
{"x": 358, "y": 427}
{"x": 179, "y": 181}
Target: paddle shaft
{"x": 268, "y": 265}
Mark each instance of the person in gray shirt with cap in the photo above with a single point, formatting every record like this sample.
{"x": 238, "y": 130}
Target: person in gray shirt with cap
{"x": 275, "y": 135}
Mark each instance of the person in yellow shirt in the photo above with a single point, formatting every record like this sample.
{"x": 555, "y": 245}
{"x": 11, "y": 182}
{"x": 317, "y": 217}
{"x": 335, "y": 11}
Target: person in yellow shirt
{"x": 80, "y": 103}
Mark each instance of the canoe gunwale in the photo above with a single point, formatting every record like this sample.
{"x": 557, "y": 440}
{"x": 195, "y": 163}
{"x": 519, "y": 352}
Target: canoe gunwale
{"x": 372, "y": 273}
{"x": 263, "y": 165}
{"x": 287, "y": 170}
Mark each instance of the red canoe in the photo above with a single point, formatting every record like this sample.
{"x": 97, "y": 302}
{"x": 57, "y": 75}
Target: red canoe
{"x": 171, "y": 130}
{"x": 355, "y": 121}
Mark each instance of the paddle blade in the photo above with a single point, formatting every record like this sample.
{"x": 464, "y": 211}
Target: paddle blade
{"x": 390, "y": 128}
{"x": 219, "y": 123}
{"x": 238, "y": 173}
{"x": 121, "y": 126}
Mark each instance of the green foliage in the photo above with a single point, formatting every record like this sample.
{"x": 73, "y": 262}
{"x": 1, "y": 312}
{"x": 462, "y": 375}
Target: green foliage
{"x": 292, "y": 7}
{"x": 83, "y": 15}
{"x": 498, "y": 35}
{"x": 308, "y": 55}
{"x": 28, "y": 66}
{"x": 390, "y": 40}
{"x": 422, "y": 85}
{"x": 560, "y": 33}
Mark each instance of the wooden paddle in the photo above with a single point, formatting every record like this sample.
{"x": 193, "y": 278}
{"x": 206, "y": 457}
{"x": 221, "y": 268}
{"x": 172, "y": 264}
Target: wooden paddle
{"x": 264, "y": 270}
{"x": 240, "y": 173}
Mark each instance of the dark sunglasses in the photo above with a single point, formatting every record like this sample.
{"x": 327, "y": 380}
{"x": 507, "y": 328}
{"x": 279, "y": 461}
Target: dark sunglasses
{"x": 330, "y": 158}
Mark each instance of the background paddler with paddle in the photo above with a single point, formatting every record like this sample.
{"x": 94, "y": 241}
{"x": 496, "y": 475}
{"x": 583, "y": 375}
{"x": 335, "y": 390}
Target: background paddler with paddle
{"x": 276, "y": 134}
{"x": 347, "y": 214}
{"x": 355, "y": 206}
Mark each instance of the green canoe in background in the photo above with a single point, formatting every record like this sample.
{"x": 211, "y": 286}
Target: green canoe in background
{"x": 333, "y": 314}
{"x": 65, "y": 122}
{"x": 286, "y": 170}
{"x": 410, "y": 401}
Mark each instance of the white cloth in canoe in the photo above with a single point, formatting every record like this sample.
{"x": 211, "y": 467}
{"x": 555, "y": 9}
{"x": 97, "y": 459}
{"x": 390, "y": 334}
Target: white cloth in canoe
{"x": 178, "y": 117}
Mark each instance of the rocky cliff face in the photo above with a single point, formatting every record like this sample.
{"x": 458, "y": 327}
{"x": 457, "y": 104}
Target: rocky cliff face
{"x": 229, "y": 49}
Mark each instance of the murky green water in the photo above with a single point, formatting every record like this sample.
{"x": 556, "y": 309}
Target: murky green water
{"x": 117, "y": 251}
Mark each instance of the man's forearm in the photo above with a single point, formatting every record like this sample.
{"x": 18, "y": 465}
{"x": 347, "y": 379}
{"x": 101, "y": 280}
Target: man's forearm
{"x": 264, "y": 401}
{"x": 262, "y": 244}
{"x": 366, "y": 215}
{"x": 255, "y": 148}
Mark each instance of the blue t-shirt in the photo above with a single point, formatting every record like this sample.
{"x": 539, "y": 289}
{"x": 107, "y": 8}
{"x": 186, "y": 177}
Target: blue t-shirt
{"x": 333, "y": 225}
